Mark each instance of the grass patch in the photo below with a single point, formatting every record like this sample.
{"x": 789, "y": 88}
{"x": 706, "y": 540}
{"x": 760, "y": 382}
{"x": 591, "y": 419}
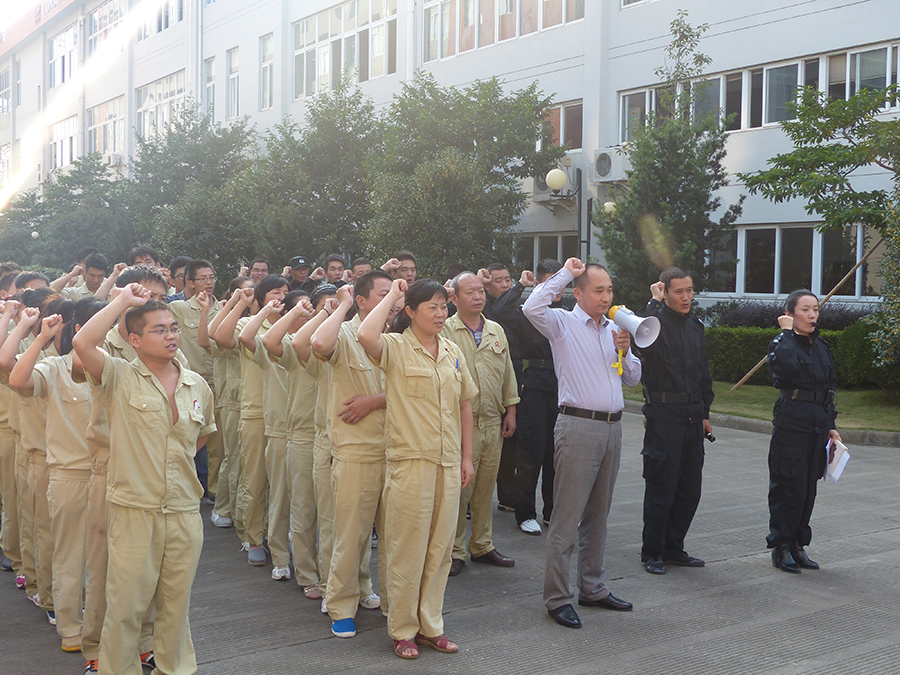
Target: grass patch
{"x": 870, "y": 410}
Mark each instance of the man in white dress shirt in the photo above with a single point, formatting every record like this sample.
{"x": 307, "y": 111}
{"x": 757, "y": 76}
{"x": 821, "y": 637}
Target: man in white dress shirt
{"x": 588, "y": 432}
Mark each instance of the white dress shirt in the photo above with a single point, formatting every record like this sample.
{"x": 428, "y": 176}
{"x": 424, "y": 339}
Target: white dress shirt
{"x": 583, "y": 352}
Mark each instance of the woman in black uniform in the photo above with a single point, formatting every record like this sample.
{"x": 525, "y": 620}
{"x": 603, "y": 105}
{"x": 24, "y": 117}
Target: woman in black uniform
{"x": 802, "y": 369}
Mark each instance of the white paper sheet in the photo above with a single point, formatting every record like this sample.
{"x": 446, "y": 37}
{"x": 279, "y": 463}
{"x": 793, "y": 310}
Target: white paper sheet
{"x": 841, "y": 457}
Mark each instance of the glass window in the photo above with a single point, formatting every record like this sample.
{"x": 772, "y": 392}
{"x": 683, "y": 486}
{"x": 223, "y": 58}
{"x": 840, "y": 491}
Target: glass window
{"x": 838, "y": 258}
{"x": 570, "y": 247}
{"x": 507, "y": 19}
{"x": 62, "y": 145}
{"x": 5, "y": 163}
{"x": 467, "y": 25}
{"x": 723, "y": 261}
{"x": 5, "y": 91}
{"x": 663, "y": 104}
{"x": 266, "y": 72}
{"x": 337, "y": 68}
{"x": 837, "y": 77}
{"x": 157, "y": 103}
{"x": 548, "y": 247}
{"x": 64, "y": 56}
{"x": 311, "y": 72}
{"x": 734, "y": 84}
{"x": 350, "y": 56}
{"x": 759, "y": 274}
{"x": 796, "y": 258}
{"x": 572, "y": 125}
{"x": 552, "y": 15}
{"x": 706, "y": 100}
{"x": 524, "y": 253}
{"x": 870, "y": 272}
{"x": 811, "y": 73}
{"x": 209, "y": 80}
{"x": 378, "y": 63}
{"x": 781, "y": 92}
{"x": 232, "y": 61}
{"x": 868, "y": 70}
{"x": 106, "y": 127}
{"x": 392, "y": 46}
{"x": 432, "y": 33}
{"x": 529, "y": 19}
{"x": 448, "y": 28}
{"x": 364, "y": 56}
{"x": 574, "y": 10}
{"x": 634, "y": 112}
{"x": 756, "y": 98}
{"x": 486, "y": 25}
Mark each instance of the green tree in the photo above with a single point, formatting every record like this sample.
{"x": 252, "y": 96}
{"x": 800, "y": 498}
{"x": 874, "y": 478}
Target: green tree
{"x": 664, "y": 216}
{"x": 832, "y": 139}
{"x": 83, "y": 205}
{"x": 492, "y": 138}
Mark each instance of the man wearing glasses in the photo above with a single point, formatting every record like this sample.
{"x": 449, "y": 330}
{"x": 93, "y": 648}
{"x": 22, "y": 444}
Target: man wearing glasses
{"x": 160, "y": 413}
{"x": 194, "y": 316}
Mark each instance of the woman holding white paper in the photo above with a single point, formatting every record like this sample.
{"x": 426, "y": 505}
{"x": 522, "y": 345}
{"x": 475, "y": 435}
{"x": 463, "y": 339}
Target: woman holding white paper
{"x": 803, "y": 370}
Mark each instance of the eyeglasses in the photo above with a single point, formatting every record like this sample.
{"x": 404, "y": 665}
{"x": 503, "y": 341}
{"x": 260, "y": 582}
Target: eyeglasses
{"x": 161, "y": 332}
{"x": 211, "y": 277}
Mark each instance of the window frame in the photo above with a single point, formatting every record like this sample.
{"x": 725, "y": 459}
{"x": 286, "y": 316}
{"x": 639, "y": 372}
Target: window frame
{"x": 266, "y": 73}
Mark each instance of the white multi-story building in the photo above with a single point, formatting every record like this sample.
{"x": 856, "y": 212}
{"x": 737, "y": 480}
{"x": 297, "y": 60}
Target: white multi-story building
{"x": 80, "y": 76}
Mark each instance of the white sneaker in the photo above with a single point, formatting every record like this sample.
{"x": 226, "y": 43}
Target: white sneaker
{"x": 36, "y": 599}
{"x": 280, "y": 573}
{"x": 530, "y": 526}
{"x": 220, "y": 521}
{"x": 245, "y": 546}
{"x": 324, "y": 610}
{"x": 372, "y": 601}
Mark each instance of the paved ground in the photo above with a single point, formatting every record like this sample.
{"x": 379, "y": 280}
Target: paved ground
{"x": 738, "y": 615}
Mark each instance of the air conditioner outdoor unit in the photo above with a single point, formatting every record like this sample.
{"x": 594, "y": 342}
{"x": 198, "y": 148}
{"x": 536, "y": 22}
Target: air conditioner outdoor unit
{"x": 610, "y": 164}
{"x": 540, "y": 191}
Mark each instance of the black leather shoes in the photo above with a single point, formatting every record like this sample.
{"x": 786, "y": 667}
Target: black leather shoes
{"x": 609, "y": 602}
{"x": 456, "y": 566}
{"x": 783, "y": 560}
{"x": 800, "y": 557}
{"x": 565, "y": 616}
{"x": 495, "y": 558}
{"x": 682, "y": 559}
{"x": 655, "y": 565}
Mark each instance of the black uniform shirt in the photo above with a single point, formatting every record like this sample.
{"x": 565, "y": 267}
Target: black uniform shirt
{"x": 797, "y": 363}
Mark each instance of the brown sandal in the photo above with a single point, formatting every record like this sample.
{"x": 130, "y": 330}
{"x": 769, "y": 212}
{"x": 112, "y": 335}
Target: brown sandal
{"x": 440, "y": 643}
{"x": 313, "y": 592}
{"x": 401, "y": 647}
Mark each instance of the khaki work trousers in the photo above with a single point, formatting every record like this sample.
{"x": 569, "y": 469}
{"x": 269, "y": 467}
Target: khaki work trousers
{"x": 421, "y": 503}
{"x": 153, "y": 559}
{"x": 97, "y": 559}
{"x": 39, "y": 481}
{"x": 303, "y": 510}
{"x": 25, "y": 512}
{"x": 214, "y": 454}
{"x": 67, "y": 496}
{"x": 279, "y": 501}
{"x": 230, "y": 467}
{"x": 252, "y": 493}
{"x": 9, "y": 533}
{"x": 324, "y": 507}
{"x": 357, "y": 489}
{"x": 479, "y": 493}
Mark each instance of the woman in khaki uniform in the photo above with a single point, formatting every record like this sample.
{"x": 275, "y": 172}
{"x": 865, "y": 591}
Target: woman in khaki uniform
{"x": 68, "y": 415}
{"x": 428, "y": 429}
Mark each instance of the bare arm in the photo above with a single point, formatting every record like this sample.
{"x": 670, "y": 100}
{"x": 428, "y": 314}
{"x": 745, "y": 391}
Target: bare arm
{"x": 250, "y": 331}
{"x": 9, "y": 309}
{"x": 372, "y": 327}
{"x": 274, "y": 337}
{"x": 325, "y": 338}
{"x": 223, "y": 312}
{"x": 205, "y": 302}
{"x": 109, "y": 282}
{"x": 301, "y": 337}
{"x": 10, "y": 347}
{"x": 58, "y": 285}
{"x": 466, "y": 420}
{"x": 21, "y": 375}
{"x": 224, "y": 333}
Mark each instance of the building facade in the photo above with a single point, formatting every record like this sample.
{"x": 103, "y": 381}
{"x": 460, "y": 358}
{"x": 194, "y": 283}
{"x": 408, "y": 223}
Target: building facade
{"x": 80, "y": 76}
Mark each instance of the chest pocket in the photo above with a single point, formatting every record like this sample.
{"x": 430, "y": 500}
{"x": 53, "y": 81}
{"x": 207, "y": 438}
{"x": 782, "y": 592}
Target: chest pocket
{"x": 418, "y": 380}
{"x": 146, "y": 413}
{"x": 76, "y": 407}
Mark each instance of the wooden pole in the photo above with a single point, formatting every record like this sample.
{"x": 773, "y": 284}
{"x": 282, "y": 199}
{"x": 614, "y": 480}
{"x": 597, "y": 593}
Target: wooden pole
{"x": 834, "y": 290}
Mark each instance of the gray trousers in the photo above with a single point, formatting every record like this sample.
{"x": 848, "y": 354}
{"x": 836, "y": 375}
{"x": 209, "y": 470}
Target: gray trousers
{"x": 586, "y": 460}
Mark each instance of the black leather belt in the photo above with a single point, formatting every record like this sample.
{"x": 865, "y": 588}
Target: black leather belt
{"x": 823, "y": 397}
{"x": 541, "y": 364}
{"x": 608, "y": 417}
{"x": 684, "y": 398}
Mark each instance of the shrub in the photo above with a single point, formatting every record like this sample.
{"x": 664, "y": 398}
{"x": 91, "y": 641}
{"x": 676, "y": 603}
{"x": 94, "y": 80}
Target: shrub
{"x": 759, "y": 314}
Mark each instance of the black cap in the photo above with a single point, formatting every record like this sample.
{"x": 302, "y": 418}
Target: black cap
{"x": 298, "y": 261}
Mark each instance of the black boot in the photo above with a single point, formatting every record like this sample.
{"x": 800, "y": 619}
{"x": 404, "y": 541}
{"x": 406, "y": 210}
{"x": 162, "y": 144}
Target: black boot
{"x": 800, "y": 557}
{"x": 782, "y": 559}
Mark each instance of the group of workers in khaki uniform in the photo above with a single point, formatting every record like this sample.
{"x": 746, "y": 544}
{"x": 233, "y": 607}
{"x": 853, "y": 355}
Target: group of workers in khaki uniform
{"x": 323, "y": 414}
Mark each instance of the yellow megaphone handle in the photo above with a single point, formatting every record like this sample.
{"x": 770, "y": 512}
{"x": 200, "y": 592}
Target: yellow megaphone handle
{"x": 618, "y": 364}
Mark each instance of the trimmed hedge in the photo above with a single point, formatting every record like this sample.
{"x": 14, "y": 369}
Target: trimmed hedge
{"x": 734, "y": 351}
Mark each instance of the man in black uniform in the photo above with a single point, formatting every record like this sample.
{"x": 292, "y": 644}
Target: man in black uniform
{"x": 539, "y": 403}
{"x": 677, "y": 394}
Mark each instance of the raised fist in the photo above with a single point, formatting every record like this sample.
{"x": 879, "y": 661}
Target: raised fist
{"x": 527, "y": 279}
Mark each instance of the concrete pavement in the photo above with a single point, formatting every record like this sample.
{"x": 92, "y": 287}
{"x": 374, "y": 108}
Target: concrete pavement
{"x": 736, "y": 615}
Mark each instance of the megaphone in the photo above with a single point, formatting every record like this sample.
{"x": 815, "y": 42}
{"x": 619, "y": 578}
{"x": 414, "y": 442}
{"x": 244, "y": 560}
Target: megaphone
{"x": 645, "y": 331}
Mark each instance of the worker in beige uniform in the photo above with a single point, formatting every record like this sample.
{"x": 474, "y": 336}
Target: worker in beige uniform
{"x": 227, "y": 392}
{"x": 275, "y": 418}
{"x": 9, "y": 533}
{"x": 68, "y": 415}
{"x": 160, "y": 414}
{"x": 302, "y": 392}
{"x": 32, "y": 423}
{"x": 194, "y": 316}
{"x": 358, "y": 453}
{"x": 254, "y": 484}
{"x": 486, "y": 349}
{"x": 428, "y": 429}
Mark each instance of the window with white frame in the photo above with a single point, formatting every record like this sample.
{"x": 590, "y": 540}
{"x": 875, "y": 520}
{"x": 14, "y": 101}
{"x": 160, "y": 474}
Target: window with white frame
{"x": 209, "y": 81}
{"x": 17, "y": 69}
{"x": 5, "y": 91}
{"x": 157, "y": 104}
{"x": 102, "y": 21}
{"x": 5, "y": 164}
{"x": 62, "y": 144}
{"x": 357, "y": 39}
{"x": 64, "y": 56}
{"x": 530, "y": 249}
{"x": 567, "y": 121}
{"x": 456, "y": 26}
{"x": 266, "y": 72}
{"x": 233, "y": 102}
{"x": 106, "y": 127}
{"x": 781, "y": 92}
{"x": 170, "y": 12}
